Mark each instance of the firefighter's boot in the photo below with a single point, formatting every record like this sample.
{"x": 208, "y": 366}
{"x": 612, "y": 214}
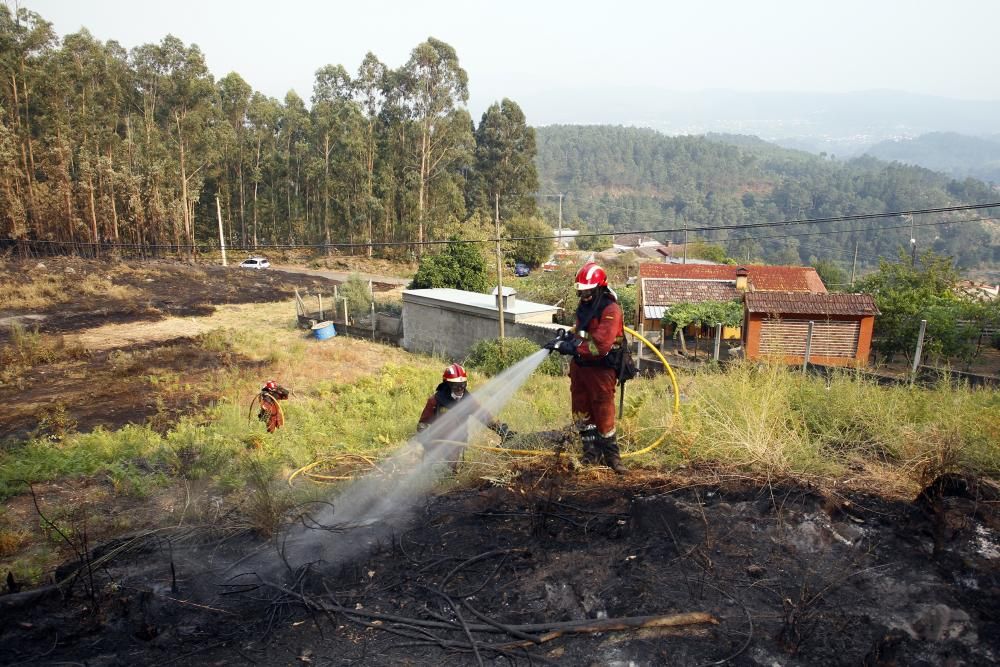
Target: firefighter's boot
{"x": 609, "y": 452}
{"x": 588, "y": 438}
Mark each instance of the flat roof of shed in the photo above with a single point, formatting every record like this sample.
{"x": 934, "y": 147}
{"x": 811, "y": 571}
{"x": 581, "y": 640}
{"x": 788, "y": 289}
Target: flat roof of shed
{"x": 472, "y": 300}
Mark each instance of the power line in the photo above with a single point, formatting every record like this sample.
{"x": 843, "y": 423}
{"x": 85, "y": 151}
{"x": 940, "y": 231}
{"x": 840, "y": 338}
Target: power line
{"x": 854, "y": 230}
{"x": 756, "y": 225}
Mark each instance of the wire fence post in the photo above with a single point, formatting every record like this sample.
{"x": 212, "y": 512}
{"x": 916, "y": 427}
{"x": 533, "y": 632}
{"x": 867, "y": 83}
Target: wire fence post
{"x": 809, "y": 340}
{"x": 920, "y": 348}
{"x": 718, "y": 341}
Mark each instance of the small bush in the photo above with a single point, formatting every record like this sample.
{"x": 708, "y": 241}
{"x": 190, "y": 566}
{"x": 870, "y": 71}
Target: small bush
{"x": 490, "y": 357}
{"x": 359, "y": 297}
{"x": 32, "y": 348}
{"x": 393, "y": 308}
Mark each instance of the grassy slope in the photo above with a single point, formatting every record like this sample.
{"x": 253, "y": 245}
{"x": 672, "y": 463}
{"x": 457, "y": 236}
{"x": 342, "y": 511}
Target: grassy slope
{"x": 356, "y": 397}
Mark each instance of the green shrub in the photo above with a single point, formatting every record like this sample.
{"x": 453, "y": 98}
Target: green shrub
{"x": 490, "y": 357}
{"x": 359, "y": 297}
{"x": 458, "y": 266}
{"x": 393, "y": 308}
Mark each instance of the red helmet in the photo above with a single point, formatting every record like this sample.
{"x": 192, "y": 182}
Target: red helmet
{"x": 590, "y": 276}
{"x": 455, "y": 373}
{"x": 270, "y": 385}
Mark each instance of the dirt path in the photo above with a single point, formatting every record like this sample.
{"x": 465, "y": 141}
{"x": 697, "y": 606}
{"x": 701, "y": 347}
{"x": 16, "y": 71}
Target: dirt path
{"x": 114, "y": 336}
{"x": 342, "y": 276}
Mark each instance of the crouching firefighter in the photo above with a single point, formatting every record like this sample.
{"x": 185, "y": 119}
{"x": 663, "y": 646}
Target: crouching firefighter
{"x": 597, "y": 346}
{"x": 447, "y": 396}
{"x": 270, "y": 412}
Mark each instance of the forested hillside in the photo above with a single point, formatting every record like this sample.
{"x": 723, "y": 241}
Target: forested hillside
{"x": 145, "y": 147}
{"x": 617, "y": 178}
{"x": 957, "y": 155}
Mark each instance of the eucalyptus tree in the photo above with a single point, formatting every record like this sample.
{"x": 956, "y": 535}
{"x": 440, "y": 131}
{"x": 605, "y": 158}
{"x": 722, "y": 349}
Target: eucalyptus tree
{"x": 435, "y": 89}
{"x": 87, "y": 88}
{"x": 505, "y": 161}
{"x": 293, "y": 137}
{"x": 179, "y": 109}
{"x": 234, "y": 96}
{"x": 332, "y": 92}
{"x": 370, "y": 95}
{"x": 13, "y": 218}
{"x": 263, "y": 116}
{"x": 24, "y": 39}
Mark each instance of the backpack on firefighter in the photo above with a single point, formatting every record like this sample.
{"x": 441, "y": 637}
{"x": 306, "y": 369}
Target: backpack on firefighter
{"x": 269, "y": 410}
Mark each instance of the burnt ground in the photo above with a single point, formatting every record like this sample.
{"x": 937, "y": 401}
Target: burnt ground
{"x": 790, "y": 575}
{"x": 80, "y": 389}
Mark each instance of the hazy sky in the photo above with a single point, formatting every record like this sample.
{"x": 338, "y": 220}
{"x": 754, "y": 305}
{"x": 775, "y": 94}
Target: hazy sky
{"x": 513, "y": 48}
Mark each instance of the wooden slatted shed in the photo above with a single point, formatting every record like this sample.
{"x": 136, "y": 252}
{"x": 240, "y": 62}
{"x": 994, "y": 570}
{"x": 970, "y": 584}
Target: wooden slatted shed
{"x": 777, "y": 324}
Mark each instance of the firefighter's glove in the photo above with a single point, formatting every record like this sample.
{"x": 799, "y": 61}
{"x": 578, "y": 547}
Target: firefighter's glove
{"x": 566, "y": 346}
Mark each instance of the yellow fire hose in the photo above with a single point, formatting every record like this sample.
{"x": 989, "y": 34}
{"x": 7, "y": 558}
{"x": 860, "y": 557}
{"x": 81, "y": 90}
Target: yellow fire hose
{"x": 306, "y": 470}
{"x": 654, "y": 445}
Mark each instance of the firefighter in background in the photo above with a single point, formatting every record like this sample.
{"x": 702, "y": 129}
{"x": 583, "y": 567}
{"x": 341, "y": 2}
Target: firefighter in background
{"x": 451, "y": 391}
{"x": 270, "y": 412}
{"x": 599, "y": 335}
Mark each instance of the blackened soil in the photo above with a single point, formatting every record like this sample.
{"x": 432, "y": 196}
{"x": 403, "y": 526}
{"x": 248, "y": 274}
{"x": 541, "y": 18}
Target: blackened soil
{"x": 155, "y": 289}
{"x": 111, "y": 388}
{"x": 793, "y": 577}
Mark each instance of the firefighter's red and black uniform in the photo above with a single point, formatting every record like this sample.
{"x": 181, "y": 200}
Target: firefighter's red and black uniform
{"x": 270, "y": 412}
{"x": 592, "y": 375}
{"x": 446, "y": 396}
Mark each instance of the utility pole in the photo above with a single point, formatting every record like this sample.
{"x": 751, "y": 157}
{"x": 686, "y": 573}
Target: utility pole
{"x": 499, "y": 272}
{"x": 559, "y": 242}
{"x": 222, "y": 238}
{"x": 913, "y": 243}
{"x": 854, "y": 266}
{"x": 685, "y": 242}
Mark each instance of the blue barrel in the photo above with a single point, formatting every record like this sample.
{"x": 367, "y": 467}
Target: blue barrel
{"x": 324, "y": 330}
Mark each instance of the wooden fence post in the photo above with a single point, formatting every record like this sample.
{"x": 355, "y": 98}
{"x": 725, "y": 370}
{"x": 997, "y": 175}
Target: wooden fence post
{"x": 718, "y": 341}
{"x": 920, "y": 347}
{"x": 809, "y": 340}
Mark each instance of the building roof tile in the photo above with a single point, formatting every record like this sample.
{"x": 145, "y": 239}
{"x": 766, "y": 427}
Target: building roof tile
{"x": 802, "y": 303}
{"x": 667, "y": 292}
{"x": 760, "y": 277}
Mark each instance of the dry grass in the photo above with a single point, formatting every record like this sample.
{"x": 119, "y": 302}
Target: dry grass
{"x": 27, "y": 349}
{"x": 43, "y": 288}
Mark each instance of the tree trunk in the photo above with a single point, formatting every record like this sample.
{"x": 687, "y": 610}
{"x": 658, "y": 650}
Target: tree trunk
{"x": 424, "y": 161}
{"x": 184, "y": 193}
{"x": 93, "y": 217}
{"x": 326, "y": 192}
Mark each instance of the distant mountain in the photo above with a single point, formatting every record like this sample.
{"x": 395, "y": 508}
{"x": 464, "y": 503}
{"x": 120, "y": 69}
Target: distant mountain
{"x": 636, "y": 179}
{"x": 843, "y": 124}
{"x": 955, "y": 154}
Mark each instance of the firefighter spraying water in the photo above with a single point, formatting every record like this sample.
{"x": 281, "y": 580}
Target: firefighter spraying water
{"x": 600, "y": 360}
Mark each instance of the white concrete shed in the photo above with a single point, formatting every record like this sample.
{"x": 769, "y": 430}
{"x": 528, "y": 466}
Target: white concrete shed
{"x": 448, "y": 322}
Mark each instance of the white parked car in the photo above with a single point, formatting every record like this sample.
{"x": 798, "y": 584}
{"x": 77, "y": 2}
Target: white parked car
{"x": 255, "y": 263}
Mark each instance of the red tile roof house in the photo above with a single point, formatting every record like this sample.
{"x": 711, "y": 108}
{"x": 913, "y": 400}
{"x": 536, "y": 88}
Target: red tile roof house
{"x": 777, "y": 323}
{"x": 665, "y": 285}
